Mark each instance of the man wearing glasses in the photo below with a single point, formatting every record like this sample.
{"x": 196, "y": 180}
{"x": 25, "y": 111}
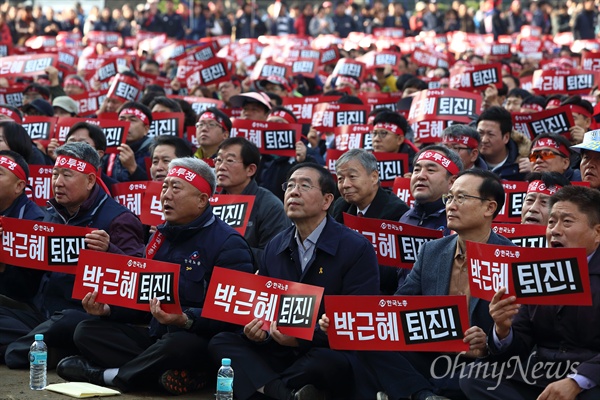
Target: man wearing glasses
{"x": 212, "y": 128}
{"x": 316, "y": 251}
{"x": 465, "y": 142}
{"x": 552, "y": 153}
{"x": 389, "y": 129}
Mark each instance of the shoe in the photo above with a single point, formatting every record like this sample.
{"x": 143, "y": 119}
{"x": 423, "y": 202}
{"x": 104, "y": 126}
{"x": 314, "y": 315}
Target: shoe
{"x": 182, "y": 381}
{"x": 78, "y": 369}
{"x": 308, "y": 392}
{"x": 382, "y": 396}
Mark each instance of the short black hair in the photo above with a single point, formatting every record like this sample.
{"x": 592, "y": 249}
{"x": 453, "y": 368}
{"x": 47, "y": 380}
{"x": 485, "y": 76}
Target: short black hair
{"x": 249, "y": 152}
{"x": 18, "y": 159}
{"x": 490, "y": 188}
{"x": 166, "y": 102}
{"x": 576, "y": 100}
{"x": 325, "y": 179}
{"x": 518, "y": 92}
{"x": 415, "y": 83}
{"x": 549, "y": 178}
{"x": 586, "y": 200}
{"x": 500, "y": 115}
{"x": 17, "y": 139}
{"x": 392, "y": 118}
{"x": 182, "y": 147}
{"x": 94, "y": 132}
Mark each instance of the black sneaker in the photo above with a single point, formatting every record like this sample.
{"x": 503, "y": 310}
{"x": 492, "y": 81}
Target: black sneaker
{"x": 181, "y": 381}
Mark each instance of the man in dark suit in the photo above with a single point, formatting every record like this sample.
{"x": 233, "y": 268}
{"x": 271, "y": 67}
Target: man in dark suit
{"x": 358, "y": 183}
{"x": 474, "y": 200}
{"x": 566, "y": 361}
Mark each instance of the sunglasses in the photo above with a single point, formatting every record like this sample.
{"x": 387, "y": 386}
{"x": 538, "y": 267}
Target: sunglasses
{"x": 544, "y": 155}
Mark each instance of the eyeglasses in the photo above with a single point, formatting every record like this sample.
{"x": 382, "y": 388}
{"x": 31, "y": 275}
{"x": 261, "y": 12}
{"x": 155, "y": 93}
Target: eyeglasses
{"x": 459, "y": 198}
{"x": 381, "y": 134}
{"x": 209, "y": 125}
{"x": 303, "y": 187}
{"x": 229, "y": 161}
{"x": 544, "y": 155}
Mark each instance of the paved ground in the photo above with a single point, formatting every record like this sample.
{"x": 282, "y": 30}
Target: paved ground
{"x": 14, "y": 385}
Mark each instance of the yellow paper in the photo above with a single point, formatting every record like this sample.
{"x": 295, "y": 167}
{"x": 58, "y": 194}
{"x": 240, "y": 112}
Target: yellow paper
{"x": 81, "y": 390}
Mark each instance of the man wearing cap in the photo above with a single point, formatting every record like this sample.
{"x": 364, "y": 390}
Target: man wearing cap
{"x": 132, "y": 358}
{"x": 64, "y": 106}
{"x": 255, "y": 105}
{"x": 35, "y": 91}
{"x": 552, "y": 153}
{"x": 212, "y": 128}
{"x": 130, "y": 165}
{"x": 542, "y": 185}
{"x": 18, "y": 285}
{"x": 79, "y": 200}
{"x": 590, "y": 158}
{"x": 465, "y": 141}
{"x": 38, "y": 107}
{"x": 388, "y": 136}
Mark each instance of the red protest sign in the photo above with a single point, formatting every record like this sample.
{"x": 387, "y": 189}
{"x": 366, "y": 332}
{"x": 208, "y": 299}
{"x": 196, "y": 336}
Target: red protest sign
{"x": 239, "y": 297}
{"x": 433, "y": 59}
{"x": 388, "y": 32}
{"x": 430, "y": 131}
{"x": 265, "y": 68}
{"x": 13, "y": 96}
{"x": 89, "y": 102}
{"x": 556, "y": 120}
{"x": 115, "y": 132}
{"x": 201, "y": 53}
{"x": 270, "y": 137}
{"x": 40, "y": 180}
{"x": 554, "y": 276}
{"x": 353, "y": 69}
{"x": 381, "y": 100}
{"x": 172, "y": 51}
{"x": 199, "y": 104}
{"x": 444, "y": 104}
{"x": 209, "y": 73}
{"x": 300, "y": 52}
{"x": 515, "y": 192}
{"x": 63, "y": 126}
{"x": 27, "y": 65}
{"x": 167, "y": 123}
{"x": 391, "y": 166}
{"x": 353, "y": 137}
{"x": 41, "y": 245}
{"x": 39, "y": 128}
{"x": 401, "y": 189}
{"x": 396, "y": 244}
{"x": 523, "y": 235}
{"x": 327, "y": 116}
{"x": 110, "y": 39}
{"x": 126, "y": 281}
{"x": 476, "y": 77}
{"x": 125, "y": 88}
{"x": 233, "y": 209}
{"x": 130, "y": 195}
{"x": 397, "y": 323}
{"x": 151, "y": 209}
{"x": 303, "y": 107}
{"x": 304, "y": 67}
{"x": 569, "y": 82}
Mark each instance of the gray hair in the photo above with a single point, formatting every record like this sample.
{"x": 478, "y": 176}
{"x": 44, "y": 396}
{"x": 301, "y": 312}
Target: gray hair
{"x": 366, "y": 159}
{"x": 451, "y": 154}
{"x": 199, "y": 167}
{"x": 82, "y": 151}
{"x": 457, "y": 130}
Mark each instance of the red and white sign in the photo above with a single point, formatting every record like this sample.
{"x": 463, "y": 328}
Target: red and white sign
{"x": 397, "y": 323}
{"x": 568, "y": 82}
{"x": 27, "y": 65}
{"x": 40, "y": 129}
{"x": 239, "y": 297}
{"x": 270, "y": 137}
{"x": 89, "y": 102}
{"x": 476, "y": 78}
{"x": 401, "y": 189}
{"x": 327, "y": 116}
{"x": 556, "y": 120}
{"x": 514, "y": 192}
{"x": 523, "y": 235}
{"x": 353, "y": 137}
{"x": 234, "y": 210}
{"x": 444, "y": 104}
{"x": 126, "y": 281}
{"x": 303, "y": 107}
{"x": 151, "y": 210}
{"x": 200, "y": 104}
{"x": 554, "y": 276}
{"x": 167, "y": 123}
{"x": 115, "y": 132}
{"x": 40, "y": 180}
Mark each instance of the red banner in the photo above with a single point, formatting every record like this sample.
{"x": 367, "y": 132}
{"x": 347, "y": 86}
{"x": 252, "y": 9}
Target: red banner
{"x": 476, "y": 78}
{"x": 515, "y": 192}
{"x": 239, "y": 297}
{"x": 13, "y": 96}
{"x": 401, "y": 189}
{"x": 40, "y": 129}
{"x": 27, "y": 65}
{"x": 568, "y": 82}
{"x": 327, "y": 116}
{"x": 151, "y": 209}
{"x": 556, "y": 120}
{"x": 167, "y": 123}
{"x": 270, "y": 137}
{"x": 554, "y": 276}
{"x": 523, "y": 235}
{"x": 89, "y": 102}
{"x": 125, "y": 88}
{"x": 303, "y": 107}
{"x": 397, "y": 323}
{"x": 353, "y": 137}
{"x": 432, "y": 59}
{"x": 265, "y": 68}
{"x": 590, "y": 61}
{"x": 126, "y": 281}
{"x": 130, "y": 195}
{"x": 64, "y": 124}
{"x": 305, "y": 67}
{"x": 41, "y": 245}
{"x": 444, "y": 104}
{"x": 40, "y": 180}
{"x": 350, "y": 68}
{"x": 233, "y": 209}
{"x": 210, "y": 72}
{"x": 110, "y": 39}
{"x": 430, "y": 131}
{"x": 380, "y": 100}
{"x": 389, "y": 32}
{"x": 396, "y": 244}
{"x": 115, "y": 132}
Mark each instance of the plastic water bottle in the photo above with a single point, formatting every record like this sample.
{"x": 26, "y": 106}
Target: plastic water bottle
{"x": 225, "y": 381}
{"x": 38, "y": 356}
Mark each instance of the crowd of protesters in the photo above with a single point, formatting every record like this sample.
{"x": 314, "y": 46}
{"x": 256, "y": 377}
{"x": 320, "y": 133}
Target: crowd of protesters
{"x": 380, "y": 60}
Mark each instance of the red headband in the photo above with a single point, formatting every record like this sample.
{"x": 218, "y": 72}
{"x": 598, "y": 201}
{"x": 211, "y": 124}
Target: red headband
{"x": 282, "y": 114}
{"x": 11, "y": 114}
{"x": 389, "y": 127}
{"x": 547, "y": 142}
{"x": 553, "y": 103}
{"x": 532, "y": 106}
{"x": 580, "y": 110}
{"x": 372, "y": 85}
{"x": 74, "y": 82}
{"x": 440, "y": 159}
{"x": 540, "y": 187}
{"x": 214, "y": 117}
{"x": 13, "y": 167}
{"x": 461, "y": 139}
{"x": 192, "y": 178}
{"x": 346, "y": 79}
{"x": 80, "y": 166}
{"x": 138, "y": 113}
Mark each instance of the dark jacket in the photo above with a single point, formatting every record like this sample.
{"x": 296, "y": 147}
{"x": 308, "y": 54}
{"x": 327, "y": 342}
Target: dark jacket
{"x": 510, "y": 169}
{"x": 428, "y": 215}
{"x": 173, "y": 26}
{"x": 344, "y": 264}
{"x": 267, "y": 218}
{"x": 141, "y": 149}
{"x": 344, "y": 25}
{"x": 101, "y": 212}
{"x": 21, "y": 284}
{"x": 198, "y": 247}
{"x": 585, "y": 25}
{"x": 106, "y": 26}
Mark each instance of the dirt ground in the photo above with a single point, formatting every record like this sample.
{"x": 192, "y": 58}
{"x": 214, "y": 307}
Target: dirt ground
{"x": 14, "y": 385}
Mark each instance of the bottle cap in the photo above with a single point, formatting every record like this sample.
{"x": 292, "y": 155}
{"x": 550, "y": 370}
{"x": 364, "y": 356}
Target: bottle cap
{"x": 39, "y": 336}
{"x": 225, "y": 361}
